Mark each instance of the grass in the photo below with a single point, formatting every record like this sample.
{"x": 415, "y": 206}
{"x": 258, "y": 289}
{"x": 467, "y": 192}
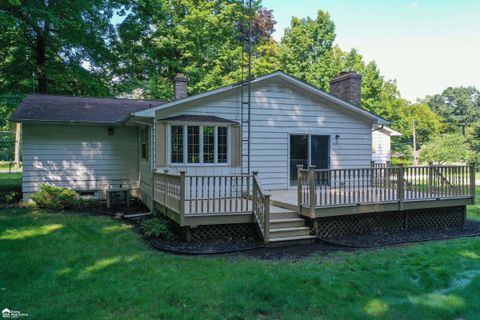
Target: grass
{"x": 74, "y": 266}
{"x": 4, "y": 165}
{"x": 10, "y": 188}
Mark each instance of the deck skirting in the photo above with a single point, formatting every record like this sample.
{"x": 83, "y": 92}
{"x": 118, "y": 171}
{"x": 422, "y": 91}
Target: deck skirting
{"x": 426, "y": 218}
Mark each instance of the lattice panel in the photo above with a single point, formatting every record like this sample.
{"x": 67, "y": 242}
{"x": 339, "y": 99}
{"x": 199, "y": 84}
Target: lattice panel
{"x": 225, "y": 231}
{"x": 331, "y": 227}
{"x": 436, "y": 218}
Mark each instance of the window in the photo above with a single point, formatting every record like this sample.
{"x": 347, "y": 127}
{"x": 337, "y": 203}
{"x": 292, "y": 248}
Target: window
{"x": 198, "y": 144}
{"x": 222, "y": 146}
{"x": 144, "y": 143}
{"x": 209, "y": 144}
{"x": 177, "y": 144}
{"x": 193, "y": 144}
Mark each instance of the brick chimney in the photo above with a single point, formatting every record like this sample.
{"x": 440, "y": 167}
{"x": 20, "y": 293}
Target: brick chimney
{"x": 347, "y": 86}
{"x": 180, "y": 86}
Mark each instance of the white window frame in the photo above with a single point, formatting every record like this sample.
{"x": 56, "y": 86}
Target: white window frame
{"x": 185, "y": 145}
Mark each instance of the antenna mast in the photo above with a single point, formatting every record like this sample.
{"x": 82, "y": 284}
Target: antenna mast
{"x": 246, "y": 89}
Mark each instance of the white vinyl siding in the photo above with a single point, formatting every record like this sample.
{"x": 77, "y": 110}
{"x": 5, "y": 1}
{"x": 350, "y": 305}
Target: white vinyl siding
{"x": 80, "y": 157}
{"x": 381, "y": 151}
{"x": 279, "y": 109}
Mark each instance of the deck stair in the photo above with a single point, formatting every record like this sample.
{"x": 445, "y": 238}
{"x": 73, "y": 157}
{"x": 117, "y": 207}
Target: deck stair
{"x": 287, "y": 227}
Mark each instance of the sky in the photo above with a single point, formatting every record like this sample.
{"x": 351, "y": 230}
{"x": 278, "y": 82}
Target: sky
{"x": 426, "y": 45}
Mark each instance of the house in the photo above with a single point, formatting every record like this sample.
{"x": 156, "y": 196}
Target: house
{"x": 381, "y": 143}
{"x": 310, "y": 157}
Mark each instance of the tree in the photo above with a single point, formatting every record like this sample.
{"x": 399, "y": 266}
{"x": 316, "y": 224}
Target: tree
{"x": 426, "y": 122}
{"x": 306, "y": 50}
{"x": 202, "y": 39}
{"x": 61, "y": 45}
{"x": 446, "y": 148}
{"x": 460, "y": 107}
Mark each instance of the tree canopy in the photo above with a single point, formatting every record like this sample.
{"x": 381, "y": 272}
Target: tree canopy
{"x": 446, "y": 148}
{"x": 56, "y": 46}
{"x": 458, "y": 106}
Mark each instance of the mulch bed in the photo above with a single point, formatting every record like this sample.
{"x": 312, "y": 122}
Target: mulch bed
{"x": 197, "y": 247}
{"x": 377, "y": 239}
{"x": 205, "y": 246}
{"x": 255, "y": 249}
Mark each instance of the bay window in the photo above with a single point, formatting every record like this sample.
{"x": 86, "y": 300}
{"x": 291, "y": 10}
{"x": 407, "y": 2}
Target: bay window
{"x": 176, "y": 150}
{"x": 222, "y": 146}
{"x": 208, "y": 144}
{"x": 198, "y": 144}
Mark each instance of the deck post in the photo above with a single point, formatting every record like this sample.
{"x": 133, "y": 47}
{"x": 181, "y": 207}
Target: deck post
{"x": 266, "y": 222}
{"x": 430, "y": 178}
{"x": 473, "y": 169}
{"x": 299, "y": 187}
{"x": 372, "y": 173}
{"x": 312, "y": 190}
{"x": 254, "y": 190}
{"x": 401, "y": 186}
{"x": 182, "y": 195}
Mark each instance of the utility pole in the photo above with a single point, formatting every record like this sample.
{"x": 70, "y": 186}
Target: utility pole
{"x": 414, "y": 134}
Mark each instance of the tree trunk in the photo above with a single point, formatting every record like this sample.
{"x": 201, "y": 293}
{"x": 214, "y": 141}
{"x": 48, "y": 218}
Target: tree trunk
{"x": 18, "y": 134}
{"x": 40, "y": 55}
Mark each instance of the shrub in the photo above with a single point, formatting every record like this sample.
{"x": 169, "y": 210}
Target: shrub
{"x": 51, "y": 197}
{"x": 400, "y": 162}
{"x": 156, "y": 227}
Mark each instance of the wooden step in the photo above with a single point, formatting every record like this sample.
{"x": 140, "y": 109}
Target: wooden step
{"x": 287, "y": 241}
{"x": 286, "y": 223}
{"x": 289, "y": 232}
{"x": 283, "y": 215}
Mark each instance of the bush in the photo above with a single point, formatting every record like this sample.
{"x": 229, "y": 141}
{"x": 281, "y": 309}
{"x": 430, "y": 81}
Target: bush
{"x": 400, "y": 162}
{"x": 156, "y": 227}
{"x": 50, "y": 197}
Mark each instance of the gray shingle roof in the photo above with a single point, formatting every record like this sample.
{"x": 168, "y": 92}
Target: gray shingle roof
{"x": 198, "y": 118}
{"x": 54, "y": 108}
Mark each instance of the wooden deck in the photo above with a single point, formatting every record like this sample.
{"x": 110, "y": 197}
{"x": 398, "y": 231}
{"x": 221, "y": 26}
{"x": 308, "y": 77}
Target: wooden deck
{"x": 208, "y": 200}
{"x": 288, "y": 199}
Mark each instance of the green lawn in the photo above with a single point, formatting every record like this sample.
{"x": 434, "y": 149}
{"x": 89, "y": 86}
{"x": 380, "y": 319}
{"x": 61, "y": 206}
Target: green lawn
{"x": 10, "y": 188}
{"x": 72, "y": 266}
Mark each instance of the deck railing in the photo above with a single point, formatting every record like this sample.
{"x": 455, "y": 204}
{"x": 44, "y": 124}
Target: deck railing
{"x": 261, "y": 208}
{"x": 336, "y": 187}
{"x": 169, "y": 190}
{"x": 203, "y": 195}
{"x": 211, "y": 195}
{"x": 217, "y": 194}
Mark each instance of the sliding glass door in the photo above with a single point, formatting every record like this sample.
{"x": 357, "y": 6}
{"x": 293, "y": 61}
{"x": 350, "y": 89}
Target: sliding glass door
{"x": 308, "y": 150}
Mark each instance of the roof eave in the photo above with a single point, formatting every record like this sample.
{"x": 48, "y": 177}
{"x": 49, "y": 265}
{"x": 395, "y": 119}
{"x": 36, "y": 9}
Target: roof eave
{"x": 38, "y": 121}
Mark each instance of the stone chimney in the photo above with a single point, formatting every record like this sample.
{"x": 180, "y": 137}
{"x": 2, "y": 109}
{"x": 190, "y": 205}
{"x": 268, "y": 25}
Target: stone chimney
{"x": 347, "y": 86}
{"x": 180, "y": 86}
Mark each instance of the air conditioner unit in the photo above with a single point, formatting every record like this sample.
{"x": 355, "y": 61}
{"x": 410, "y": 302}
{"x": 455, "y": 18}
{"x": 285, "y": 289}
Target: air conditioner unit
{"x": 118, "y": 198}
